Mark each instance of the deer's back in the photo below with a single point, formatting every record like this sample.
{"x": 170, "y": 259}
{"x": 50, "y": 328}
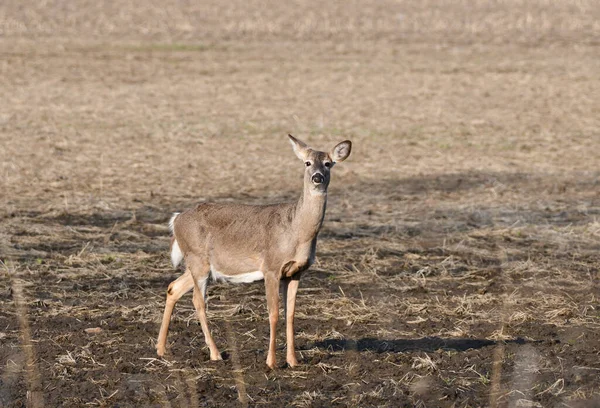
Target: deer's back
{"x": 236, "y": 237}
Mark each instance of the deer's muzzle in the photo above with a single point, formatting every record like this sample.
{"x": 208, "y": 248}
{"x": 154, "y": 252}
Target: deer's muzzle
{"x": 318, "y": 178}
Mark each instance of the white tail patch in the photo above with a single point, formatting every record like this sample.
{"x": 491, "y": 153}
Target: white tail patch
{"x": 176, "y": 254}
{"x": 172, "y": 222}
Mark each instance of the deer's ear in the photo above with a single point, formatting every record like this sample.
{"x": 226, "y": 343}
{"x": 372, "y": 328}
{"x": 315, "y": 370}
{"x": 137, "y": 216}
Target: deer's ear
{"x": 341, "y": 151}
{"x": 300, "y": 148}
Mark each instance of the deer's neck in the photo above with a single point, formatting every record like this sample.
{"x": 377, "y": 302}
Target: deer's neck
{"x": 310, "y": 212}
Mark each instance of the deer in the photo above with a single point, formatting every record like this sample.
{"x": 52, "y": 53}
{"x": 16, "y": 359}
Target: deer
{"x": 242, "y": 243}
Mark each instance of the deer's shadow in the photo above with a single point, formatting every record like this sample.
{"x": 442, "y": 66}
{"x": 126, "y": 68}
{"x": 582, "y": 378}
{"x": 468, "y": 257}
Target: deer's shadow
{"x": 428, "y": 344}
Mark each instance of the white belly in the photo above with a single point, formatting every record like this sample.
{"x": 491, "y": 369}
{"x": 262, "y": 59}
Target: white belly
{"x": 240, "y": 278}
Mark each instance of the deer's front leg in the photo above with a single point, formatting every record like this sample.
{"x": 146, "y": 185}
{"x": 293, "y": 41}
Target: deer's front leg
{"x": 272, "y": 291}
{"x": 290, "y": 289}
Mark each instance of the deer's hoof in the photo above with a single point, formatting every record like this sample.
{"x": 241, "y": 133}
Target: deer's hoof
{"x": 216, "y": 357}
{"x": 292, "y": 362}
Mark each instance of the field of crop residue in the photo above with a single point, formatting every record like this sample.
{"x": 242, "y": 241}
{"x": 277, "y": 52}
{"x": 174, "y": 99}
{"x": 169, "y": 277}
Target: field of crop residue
{"x": 459, "y": 261}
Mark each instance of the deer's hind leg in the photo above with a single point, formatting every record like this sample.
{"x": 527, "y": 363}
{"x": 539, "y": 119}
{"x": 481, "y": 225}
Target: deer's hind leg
{"x": 177, "y": 289}
{"x": 201, "y": 272}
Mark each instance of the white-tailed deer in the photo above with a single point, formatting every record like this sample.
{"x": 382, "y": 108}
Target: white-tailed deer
{"x": 245, "y": 243}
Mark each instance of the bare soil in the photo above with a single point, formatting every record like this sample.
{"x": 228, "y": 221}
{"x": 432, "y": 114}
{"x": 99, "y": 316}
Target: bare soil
{"x": 459, "y": 261}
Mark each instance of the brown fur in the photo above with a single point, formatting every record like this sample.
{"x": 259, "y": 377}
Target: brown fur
{"x": 278, "y": 240}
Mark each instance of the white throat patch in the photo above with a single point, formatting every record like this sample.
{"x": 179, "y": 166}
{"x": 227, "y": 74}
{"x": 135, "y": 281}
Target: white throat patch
{"x": 317, "y": 192}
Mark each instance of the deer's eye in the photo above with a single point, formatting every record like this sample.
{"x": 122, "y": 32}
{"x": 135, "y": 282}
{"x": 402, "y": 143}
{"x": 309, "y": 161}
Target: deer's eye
{"x": 327, "y": 164}
{"x": 307, "y": 163}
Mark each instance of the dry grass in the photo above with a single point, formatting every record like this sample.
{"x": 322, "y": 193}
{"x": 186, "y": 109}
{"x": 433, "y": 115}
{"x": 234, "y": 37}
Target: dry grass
{"x": 458, "y": 265}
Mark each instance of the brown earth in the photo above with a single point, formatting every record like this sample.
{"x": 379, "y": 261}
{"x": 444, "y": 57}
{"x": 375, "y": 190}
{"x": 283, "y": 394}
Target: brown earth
{"x": 458, "y": 264}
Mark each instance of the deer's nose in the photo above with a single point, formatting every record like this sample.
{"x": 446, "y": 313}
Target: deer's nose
{"x": 318, "y": 178}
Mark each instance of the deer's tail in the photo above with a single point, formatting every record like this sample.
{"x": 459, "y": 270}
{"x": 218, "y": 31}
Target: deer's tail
{"x": 176, "y": 254}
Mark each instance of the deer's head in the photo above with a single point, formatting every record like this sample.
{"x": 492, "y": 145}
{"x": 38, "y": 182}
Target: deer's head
{"x": 319, "y": 164}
